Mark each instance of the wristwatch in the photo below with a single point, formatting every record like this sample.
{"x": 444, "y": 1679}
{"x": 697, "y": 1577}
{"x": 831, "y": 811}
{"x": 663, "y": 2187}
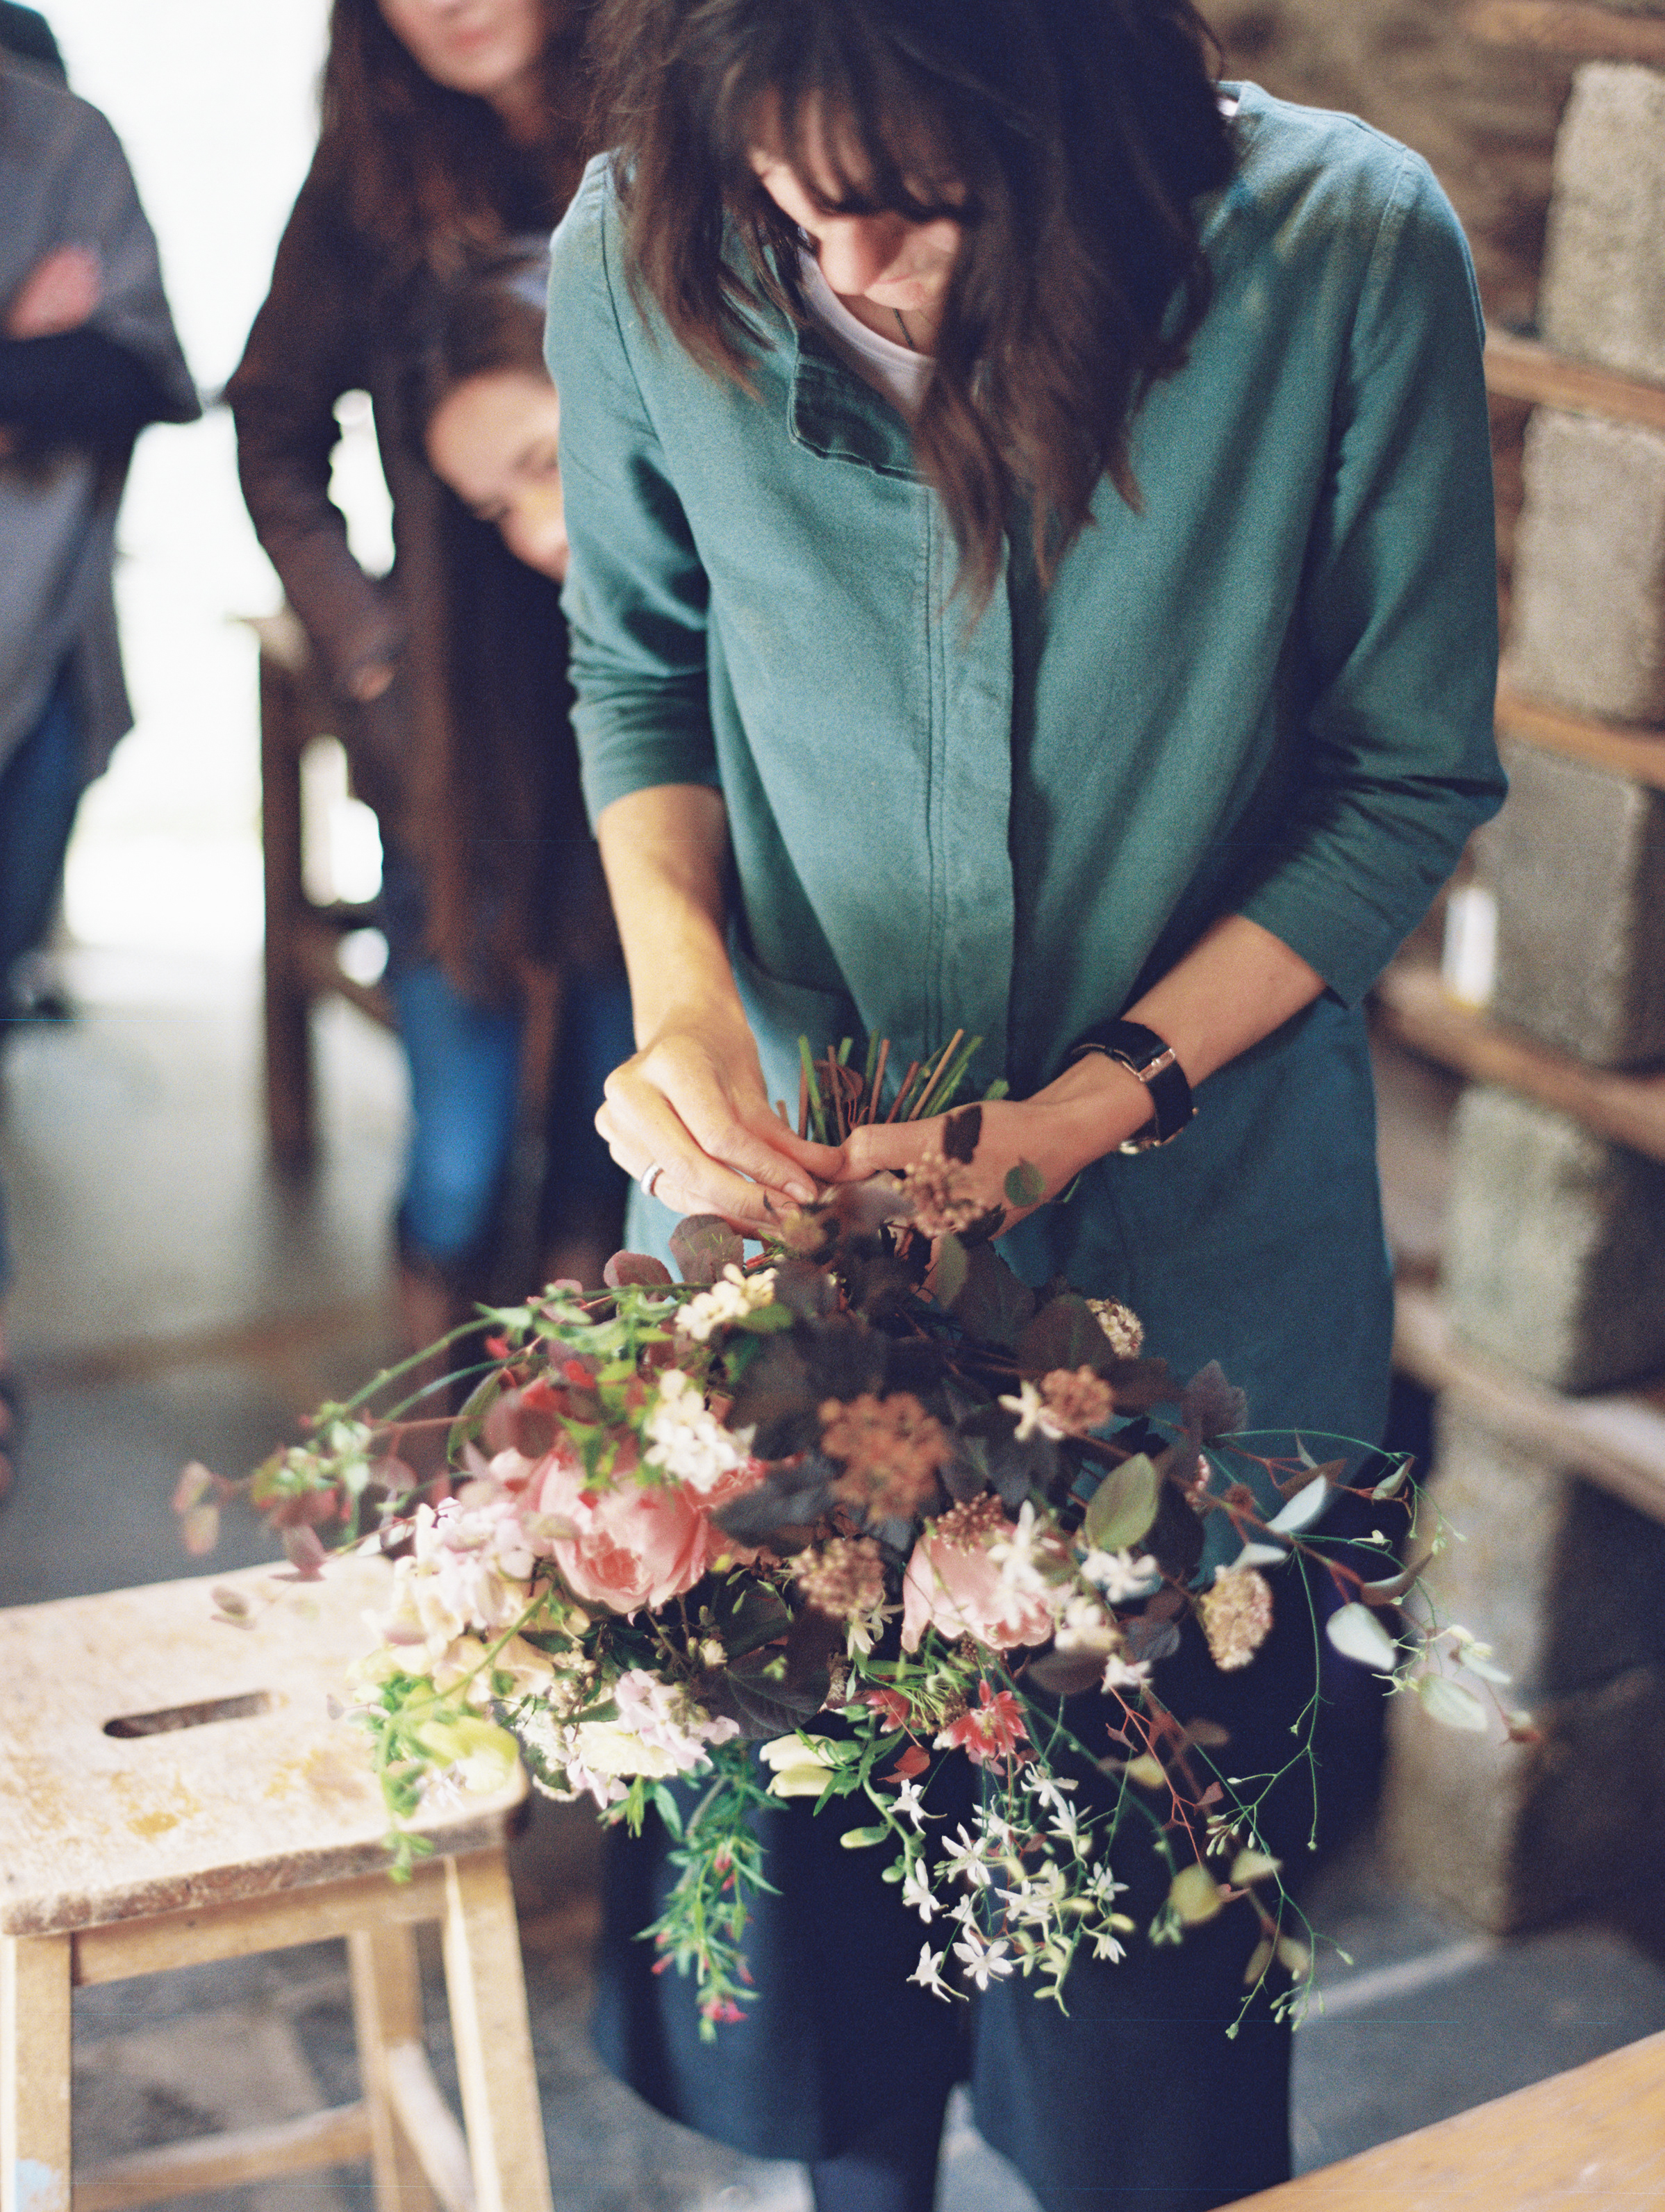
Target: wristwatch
{"x": 1151, "y": 1059}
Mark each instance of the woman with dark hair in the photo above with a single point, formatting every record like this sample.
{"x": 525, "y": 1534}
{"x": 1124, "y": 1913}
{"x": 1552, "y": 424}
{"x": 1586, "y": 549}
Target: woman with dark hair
{"x": 451, "y": 129}
{"x": 1031, "y": 572}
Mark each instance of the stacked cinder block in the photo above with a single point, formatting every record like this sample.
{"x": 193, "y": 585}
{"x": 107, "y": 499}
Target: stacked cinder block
{"x": 1555, "y": 1247}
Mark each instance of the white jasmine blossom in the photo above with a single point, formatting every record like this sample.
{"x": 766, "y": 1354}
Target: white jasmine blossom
{"x": 1121, "y": 1674}
{"x": 1120, "y": 1575}
{"x": 1034, "y": 1415}
{"x": 685, "y": 1438}
{"x": 1015, "y": 1555}
{"x": 983, "y": 1961}
{"x": 917, "y": 1894}
{"x": 1084, "y": 1626}
{"x": 731, "y": 1299}
{"x": 910, "y": 1802}
{"x": 962, "y": 1859}
{"x": 928, "y": 1973}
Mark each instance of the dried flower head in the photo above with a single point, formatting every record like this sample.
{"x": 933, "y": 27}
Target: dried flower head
{"x": 968, "y": 1528}
{"x": 936, "y": 1189}
{"x": 1077, "y": 1401}
{"x": 1121, "y": 1324}
{"x": 1236, "y": 1615}
{"x": 845, "y": 1579}
{"x": 891, "y": 1449}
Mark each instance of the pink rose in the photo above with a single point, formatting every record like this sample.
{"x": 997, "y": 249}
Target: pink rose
{"x": 635, "y": 1546}
{"x": 960, "y": 1593}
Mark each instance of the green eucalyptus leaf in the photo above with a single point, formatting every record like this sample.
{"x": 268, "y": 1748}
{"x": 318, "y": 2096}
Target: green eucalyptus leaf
{"x": 1025, "y": 1185}
{"x": 1124, "y": 1505}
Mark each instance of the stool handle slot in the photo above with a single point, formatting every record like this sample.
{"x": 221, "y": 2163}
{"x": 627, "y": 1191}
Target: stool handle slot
{"x": 246, "y": 1708}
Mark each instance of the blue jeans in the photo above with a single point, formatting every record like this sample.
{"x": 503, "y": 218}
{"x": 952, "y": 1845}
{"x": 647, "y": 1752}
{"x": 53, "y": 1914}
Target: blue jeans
{"x": 41, "y": 786}
{"x": 464, "y": 1062}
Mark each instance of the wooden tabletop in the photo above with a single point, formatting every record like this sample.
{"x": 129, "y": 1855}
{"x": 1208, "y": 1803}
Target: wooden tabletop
{"x": 264, "y": 1793}
{"x": 1589, "y": 2141}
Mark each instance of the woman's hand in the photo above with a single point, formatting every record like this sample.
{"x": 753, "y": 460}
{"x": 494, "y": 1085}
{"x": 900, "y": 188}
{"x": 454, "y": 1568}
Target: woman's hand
{"x": 1094, "y": 1105}
{"x": 692, "y": 1101}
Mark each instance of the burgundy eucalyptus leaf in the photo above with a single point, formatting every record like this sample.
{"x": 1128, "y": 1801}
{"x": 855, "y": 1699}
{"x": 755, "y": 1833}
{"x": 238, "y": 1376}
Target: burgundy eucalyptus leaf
{"x": 1211, "y": 1406}
{"x": 702, "y": 1245}
{"x": 305, "y": 1554}
{"x": 640, "y": 1268}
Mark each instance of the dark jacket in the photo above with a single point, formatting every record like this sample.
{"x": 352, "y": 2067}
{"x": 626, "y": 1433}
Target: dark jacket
{"x": 468, "y": 758}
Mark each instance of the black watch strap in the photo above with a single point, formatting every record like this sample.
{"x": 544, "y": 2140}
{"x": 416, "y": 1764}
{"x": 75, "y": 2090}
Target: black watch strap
{"x": 1151, "y": 1057}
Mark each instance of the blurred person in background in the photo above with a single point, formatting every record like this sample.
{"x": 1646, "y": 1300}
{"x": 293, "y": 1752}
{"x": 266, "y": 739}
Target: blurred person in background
{"x": 490, "y": 420}
{"x": 450, "y": 128}
{"x": 88, "y": 357}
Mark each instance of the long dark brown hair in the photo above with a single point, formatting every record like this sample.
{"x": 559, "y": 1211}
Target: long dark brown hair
{"x": 430, "y": 175}
{"x": 1081, "y": 133}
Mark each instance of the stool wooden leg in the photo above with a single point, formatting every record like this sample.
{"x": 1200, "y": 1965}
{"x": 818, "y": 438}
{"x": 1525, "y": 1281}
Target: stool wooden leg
{"x": 35, "y": 2074}
{"x": 387, "y": 2015}
{"x": 487, "y": 1991}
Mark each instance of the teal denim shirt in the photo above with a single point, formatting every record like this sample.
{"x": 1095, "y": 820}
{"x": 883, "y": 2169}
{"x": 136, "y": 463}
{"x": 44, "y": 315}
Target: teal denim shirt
{"x": 1268, "y": 691}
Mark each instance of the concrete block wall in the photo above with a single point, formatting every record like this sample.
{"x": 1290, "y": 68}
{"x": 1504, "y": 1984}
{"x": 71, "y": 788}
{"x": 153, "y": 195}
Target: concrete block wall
{"x": 1603, "y": 294}
{"x": 1562, "y": 1582}
{"x": 1554, "y": 1246}
{"x": 1588, "y": 627}
{"x": 1554, "y": 1259}
{"x": 1577, "y": 864}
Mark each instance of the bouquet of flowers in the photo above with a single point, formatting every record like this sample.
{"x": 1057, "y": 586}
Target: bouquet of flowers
{"x": 810, "y": 1524}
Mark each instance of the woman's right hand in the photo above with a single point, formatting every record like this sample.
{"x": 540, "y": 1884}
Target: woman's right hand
{"x": 692, "y": 1102}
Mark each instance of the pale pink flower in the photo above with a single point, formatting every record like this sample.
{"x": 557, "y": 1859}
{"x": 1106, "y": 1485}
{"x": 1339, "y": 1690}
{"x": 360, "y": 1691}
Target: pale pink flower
{"x": 963, "y": 1593}
{"x": 633, "y": 1546}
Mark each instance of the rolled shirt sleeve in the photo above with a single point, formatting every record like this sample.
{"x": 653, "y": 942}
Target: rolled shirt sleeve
{"x": 636, "y": 592}
{"x": 1398, "y": 613}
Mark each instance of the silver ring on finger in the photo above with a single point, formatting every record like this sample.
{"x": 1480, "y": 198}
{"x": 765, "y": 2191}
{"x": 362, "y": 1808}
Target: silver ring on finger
{"x": 649, "y": 1176}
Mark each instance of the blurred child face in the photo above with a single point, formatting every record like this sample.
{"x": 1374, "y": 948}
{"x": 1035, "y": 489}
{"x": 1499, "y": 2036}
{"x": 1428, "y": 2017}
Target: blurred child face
{"x": 494, "y": 439}
{"x": 487, "y": 47}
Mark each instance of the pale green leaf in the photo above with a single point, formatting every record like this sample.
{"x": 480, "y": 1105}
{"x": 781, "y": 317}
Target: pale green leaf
{"x": 1302, "y": 1511}
{"x": 951, "y": 1269}
{"x": 1357, "y": 1634}
{"x": 1252, "y": 1866}
{"x": 1123, "y": 1506}
{"x": 1451, "y": 1705}
{"x": 1195, "y": 1895}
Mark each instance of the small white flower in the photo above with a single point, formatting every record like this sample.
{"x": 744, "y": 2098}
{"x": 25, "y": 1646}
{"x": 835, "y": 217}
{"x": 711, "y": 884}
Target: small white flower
{"x": 928, "y": 1973}
{"x": 1120, "y": 1575}
{"x": 966, "y": 1911}
{"x": 685, "y": 1438}
{"x": 983, "y": 1961}
{"x": 1121, "y": 1674}
{"x": 1084, "y": 1626}
{"x": 1065, "y": 1825}
{"x": 1050, "y": 1789}
{"x": 910, "y": 1800}
{"x": 731, "y": 1299}
{"x": 1015, "y": 1555}
{"x": 1107, "y": 1945}
{"x": 962, "y": 1859}
{"x": 917, "y": 1894}
{"x": 1033, "y": 1414}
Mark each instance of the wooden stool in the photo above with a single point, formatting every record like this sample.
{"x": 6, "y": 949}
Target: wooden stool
{"x": 174, "y": 1792}
{"x": 1593, "y": 2138}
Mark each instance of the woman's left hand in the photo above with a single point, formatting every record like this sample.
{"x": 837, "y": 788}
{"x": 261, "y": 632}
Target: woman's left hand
{"x": 1094, "y": 1105}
